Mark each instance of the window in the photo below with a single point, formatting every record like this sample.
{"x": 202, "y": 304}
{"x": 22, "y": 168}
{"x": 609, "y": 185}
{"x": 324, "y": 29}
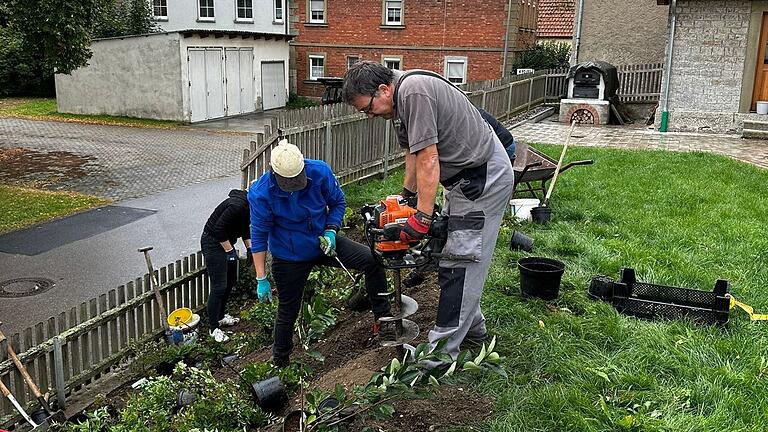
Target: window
{"x": 456, "y": 69}
{"x": 278, "y": 11}
{"x": 392, "y": 63}
{"x": 206, "y": 10}
{"x": 317, "y": 11}
{"x": 352, "y": 60}
{"x": 316, "y": 67}
{"x": 393, "y": 12}
{"x": 245, "y": 10}
{"x": 160, "y": 9}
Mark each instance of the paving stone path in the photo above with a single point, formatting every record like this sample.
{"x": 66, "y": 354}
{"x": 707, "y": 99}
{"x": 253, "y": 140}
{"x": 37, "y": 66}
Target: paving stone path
{"x": 124, "y": 162}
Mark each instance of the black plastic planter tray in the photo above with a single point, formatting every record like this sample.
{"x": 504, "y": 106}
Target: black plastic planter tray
{"x": 645, "y": 300}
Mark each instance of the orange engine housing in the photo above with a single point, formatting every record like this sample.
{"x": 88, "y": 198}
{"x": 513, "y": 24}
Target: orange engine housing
{"x": 391, "y": 210}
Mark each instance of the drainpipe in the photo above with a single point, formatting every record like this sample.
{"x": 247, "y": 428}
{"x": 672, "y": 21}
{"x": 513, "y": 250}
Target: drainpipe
{"x": 577, "y": 34}
{"x": 506, "y": 41}
{"x": 668, "y": 66}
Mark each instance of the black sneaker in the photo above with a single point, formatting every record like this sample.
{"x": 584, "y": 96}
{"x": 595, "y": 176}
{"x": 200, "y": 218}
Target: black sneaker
{"x": 281, "y": 362}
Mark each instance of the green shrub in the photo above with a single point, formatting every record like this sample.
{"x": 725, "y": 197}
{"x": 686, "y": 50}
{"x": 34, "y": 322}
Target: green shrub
{"x": 546, "y": 55}
{"x": 295, "y": 101}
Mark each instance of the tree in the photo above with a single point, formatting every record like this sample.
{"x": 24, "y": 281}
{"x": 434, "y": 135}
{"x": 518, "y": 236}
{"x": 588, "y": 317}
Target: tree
{"x": 546, "y": 55}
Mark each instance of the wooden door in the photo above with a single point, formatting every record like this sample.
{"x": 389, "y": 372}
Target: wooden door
{"x": 760, "y": 92}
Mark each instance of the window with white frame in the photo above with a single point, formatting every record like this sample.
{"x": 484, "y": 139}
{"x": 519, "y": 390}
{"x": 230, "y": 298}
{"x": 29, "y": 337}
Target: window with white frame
{"x": 456, "y": 69}
{"x": 392, "y": 63}
{"x": 393, "y": 12}
{"x": 317, "y": 11}
{"x": 352, "y": 60}
{"x": 205, "y": 11}
{"x": 160, "y": 9}
{"x": 278, "y": 11}
{"x": 316, "y": 67}
{"x": 245, "y": 10}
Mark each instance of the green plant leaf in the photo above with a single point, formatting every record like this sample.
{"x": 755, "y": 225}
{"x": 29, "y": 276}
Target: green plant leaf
{"x": 480, "y": 356}
{"x": 316, "y": 355}
{"x": 471, "y": 366}
{"x": 492, "y": 345}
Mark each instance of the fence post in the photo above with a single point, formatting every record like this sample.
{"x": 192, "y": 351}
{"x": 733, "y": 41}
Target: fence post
{"x": 387, "y": 135}
{"x": 58, "y": 363}
{"x": 509, "y": 100}
{"x": 485, "y": 93}
{"x": 328, "y": 143}
{"x": 530, "y": 93}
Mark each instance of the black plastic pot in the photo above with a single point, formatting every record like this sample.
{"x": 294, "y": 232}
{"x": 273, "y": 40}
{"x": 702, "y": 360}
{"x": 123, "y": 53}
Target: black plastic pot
{"x": 540, "y": 277}
{"x": 328, "y": 404}
{"x": 39, "y": 416}
{"x": 520, "y": 241}
{"x": 541, "y": 214}
{"x": 185, "y": 397}
{"x": 601, "y": 288}
{"x": 292, "y": 421}
{"x": 269, "y": 394}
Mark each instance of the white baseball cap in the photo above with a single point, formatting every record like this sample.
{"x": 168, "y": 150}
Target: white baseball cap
{"x": 288, "y": 167}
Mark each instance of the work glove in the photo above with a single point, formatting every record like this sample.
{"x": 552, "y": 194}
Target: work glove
{"x": 411, "y": 198}
{"x": 328, "y": 242}
{"x": 416, "y": 227}
{"x": 232, "y": 255}
{"x": 263, "y": 289}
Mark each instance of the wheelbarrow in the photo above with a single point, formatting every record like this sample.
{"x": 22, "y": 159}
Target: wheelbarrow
{"x": 533, "y": 169}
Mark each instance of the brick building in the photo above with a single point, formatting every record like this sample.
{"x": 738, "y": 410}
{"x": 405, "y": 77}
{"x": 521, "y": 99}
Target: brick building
{"x": 464, "y": 41}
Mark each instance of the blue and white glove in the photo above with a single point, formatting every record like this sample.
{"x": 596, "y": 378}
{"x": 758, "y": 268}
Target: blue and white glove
{"x": 263, "y": 289}
{"x": 329, "y": 244}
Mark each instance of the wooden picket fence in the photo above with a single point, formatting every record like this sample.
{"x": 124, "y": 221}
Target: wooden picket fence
{"x": 71, "y": 353}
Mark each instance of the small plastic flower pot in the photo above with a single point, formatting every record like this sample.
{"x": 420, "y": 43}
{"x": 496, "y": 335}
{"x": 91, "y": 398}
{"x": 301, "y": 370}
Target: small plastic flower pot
{"x": 293, "y": 421}
{"x": 520, "y": 241}
{"x": 269, "y": 394}
{"x": 541, "y": 214}
{"x": 540, "y": 277}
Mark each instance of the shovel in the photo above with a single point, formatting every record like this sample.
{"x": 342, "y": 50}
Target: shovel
{"x": 43, "y": 416}
{"x": 542, "y": 213}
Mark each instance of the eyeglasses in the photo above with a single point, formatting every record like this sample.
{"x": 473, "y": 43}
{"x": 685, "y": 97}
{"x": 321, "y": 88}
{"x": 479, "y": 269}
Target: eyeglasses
{"x": 367, "y": 110}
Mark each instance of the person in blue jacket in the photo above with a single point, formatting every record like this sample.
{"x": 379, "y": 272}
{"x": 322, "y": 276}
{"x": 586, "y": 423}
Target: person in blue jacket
{"x": 292, "y": 205}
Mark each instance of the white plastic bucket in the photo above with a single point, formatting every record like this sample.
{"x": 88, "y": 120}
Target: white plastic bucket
{"x": 762, "y": 107}
{"x": 521, "y": 207}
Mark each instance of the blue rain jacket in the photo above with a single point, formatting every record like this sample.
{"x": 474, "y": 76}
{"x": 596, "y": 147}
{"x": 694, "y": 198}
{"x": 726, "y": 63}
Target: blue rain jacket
{"x": 289, "y": 223}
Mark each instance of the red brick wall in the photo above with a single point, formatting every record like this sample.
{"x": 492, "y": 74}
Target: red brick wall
{"x": 355, "y": 28}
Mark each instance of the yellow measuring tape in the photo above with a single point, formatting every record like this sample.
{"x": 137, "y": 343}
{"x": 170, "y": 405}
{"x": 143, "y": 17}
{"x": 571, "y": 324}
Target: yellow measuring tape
{"x": 748, "y": 309}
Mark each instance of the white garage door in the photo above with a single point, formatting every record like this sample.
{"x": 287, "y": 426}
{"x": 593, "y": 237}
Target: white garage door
{"x": 273, "y": 84}
{"x": 239, "y": 66}
{"x": 206, "y": 83}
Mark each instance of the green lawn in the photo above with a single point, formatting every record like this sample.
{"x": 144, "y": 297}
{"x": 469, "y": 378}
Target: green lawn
{"x": 24, "y": 207}
{"x": 45, "y": 109}
{"x": 681, "y": 219}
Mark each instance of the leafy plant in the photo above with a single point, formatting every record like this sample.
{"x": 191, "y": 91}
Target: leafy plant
{"x": 295, "y": 101}
{"x": 95, "y": 421}
{"x": 261, "y": 315}
{"x": 426, "y": 366}
{"x": 546, "y": 55}
{"x": 290, "y": 376}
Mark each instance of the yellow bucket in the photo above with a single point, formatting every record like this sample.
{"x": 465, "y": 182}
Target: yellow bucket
{"x": 180, "y": 316}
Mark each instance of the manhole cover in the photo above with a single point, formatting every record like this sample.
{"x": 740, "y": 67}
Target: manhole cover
{"x": 24, "y": 287}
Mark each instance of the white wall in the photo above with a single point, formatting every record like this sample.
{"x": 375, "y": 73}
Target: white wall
{"x": 133, "y": 76}
{"x": 263, "y": 51}
{"x": 183, "y": 15}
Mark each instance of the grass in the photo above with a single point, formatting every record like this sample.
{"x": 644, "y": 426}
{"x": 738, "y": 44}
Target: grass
{"x": 45, "y": 109}
{"x": 23, "y": 207}
{"x": 681, "y": 219}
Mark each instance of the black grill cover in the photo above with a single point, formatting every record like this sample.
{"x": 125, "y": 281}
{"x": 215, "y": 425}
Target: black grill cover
{"x": 607, "y": 70}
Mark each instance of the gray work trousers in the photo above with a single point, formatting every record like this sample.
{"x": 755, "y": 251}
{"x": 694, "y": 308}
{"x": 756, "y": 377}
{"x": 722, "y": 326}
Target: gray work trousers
{"x": 476, "y": 208}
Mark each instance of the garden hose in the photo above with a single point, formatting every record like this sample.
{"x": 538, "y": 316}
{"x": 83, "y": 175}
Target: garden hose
{"x": 748, "y": 309}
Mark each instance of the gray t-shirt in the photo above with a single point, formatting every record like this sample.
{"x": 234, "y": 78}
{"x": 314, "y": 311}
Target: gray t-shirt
{"x": 433, "y": 111}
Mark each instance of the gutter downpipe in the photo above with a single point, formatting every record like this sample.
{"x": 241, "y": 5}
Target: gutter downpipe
{"x": 577, "y": 34}
{"x": 668, "y": 67}
{"x": 506, "y": 40}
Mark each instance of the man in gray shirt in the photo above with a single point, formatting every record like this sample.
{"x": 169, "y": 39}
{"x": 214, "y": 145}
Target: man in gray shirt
{"x": 446, "y": 141}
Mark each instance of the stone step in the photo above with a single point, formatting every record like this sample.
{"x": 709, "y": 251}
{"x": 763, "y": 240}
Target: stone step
{"x": 760, "y": 125}
{"x": 754, "y": 133}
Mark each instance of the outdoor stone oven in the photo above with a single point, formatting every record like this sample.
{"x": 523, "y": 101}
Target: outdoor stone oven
{"x": 591, "y": 86}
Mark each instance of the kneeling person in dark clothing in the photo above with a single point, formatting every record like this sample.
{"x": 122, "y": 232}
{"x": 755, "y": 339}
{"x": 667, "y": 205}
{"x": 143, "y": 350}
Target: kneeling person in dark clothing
{"x": 228, "y": 222}
{"x": 292, "y": 206}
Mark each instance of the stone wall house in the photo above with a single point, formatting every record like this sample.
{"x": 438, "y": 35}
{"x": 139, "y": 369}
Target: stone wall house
{"x": 555, "y": 21}
{"x": 718, "y": 65}
{"x": 464, "y": 41}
